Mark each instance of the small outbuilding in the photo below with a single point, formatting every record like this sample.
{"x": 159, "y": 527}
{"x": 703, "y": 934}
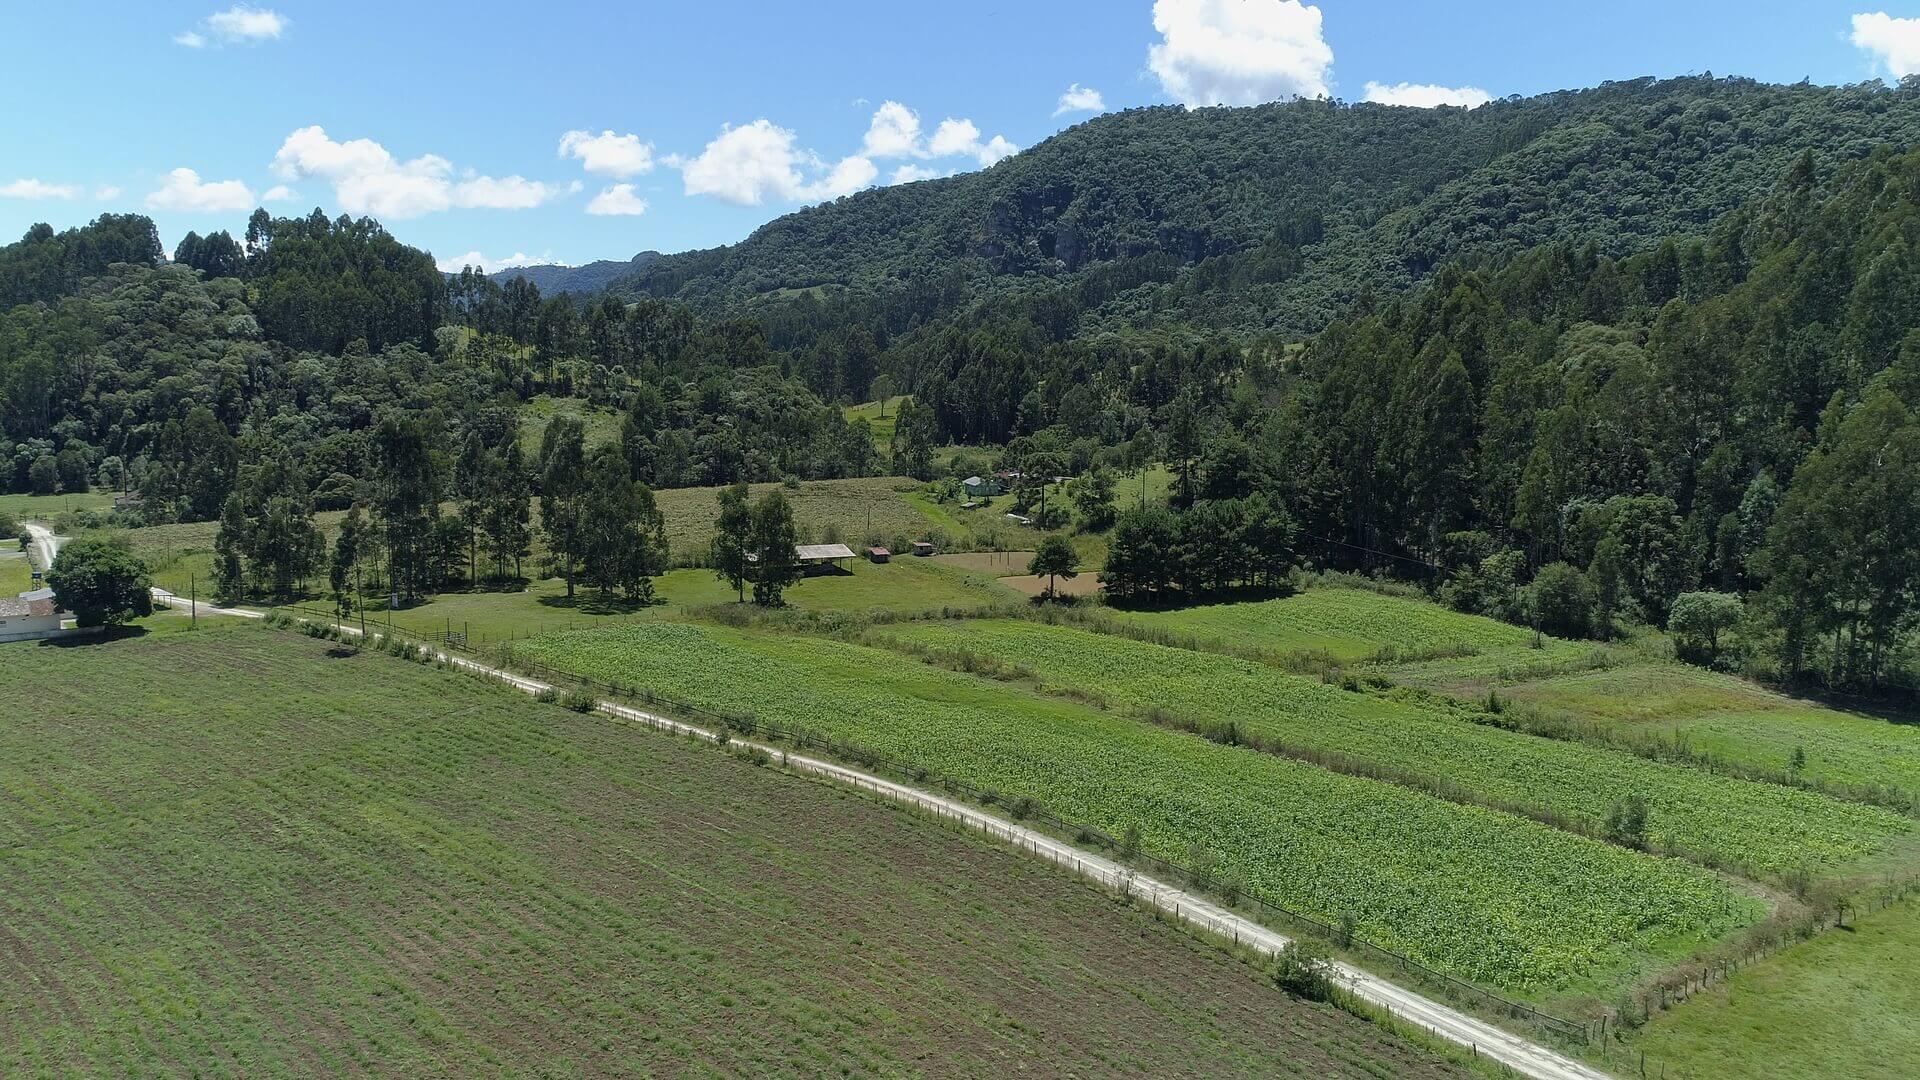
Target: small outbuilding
{"x": 879, "y": 554}
{"x": 22, "y": 619}
{"x": 922, "y": 548}
{"x": 823, "y": 556}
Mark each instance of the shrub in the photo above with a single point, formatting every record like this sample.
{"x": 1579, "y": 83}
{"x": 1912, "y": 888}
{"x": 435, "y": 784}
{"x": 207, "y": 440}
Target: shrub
{"x": 1300, "y": 969}
{"x": 578, "y": 702}
{"x": 1562, "y": 601}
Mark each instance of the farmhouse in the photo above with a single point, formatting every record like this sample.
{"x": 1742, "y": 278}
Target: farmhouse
{"x": 22, "y": 618}
{"x": 981, "y": 487}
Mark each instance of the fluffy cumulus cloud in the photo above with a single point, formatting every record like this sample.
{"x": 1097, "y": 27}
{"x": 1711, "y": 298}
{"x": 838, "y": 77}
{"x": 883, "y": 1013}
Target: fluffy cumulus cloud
{"x": 747, "y": 165}
{"x": 1079, "y": 98}
{"x": 106, "y": 191}
{"x": 608, "y": 154}
{"x": 367, "y": 179}
{"x": 238, "y": 25}
{"x": 893, "y": 132}
{"x": 1425, "y": 96}
{"x": 761, "y": 162}
{"x": 1893, "y": 43}
{"x": 490, "y": 266}
{"x": 30, "y": 188}
{"x": 279, "y": 193}
{"x": 961, "y": 138}
{"x": 183, "y": 191}
{"x": 907, "y": 174}
{"x": 1239, "y": 52}
{"x": 617, "y": 201}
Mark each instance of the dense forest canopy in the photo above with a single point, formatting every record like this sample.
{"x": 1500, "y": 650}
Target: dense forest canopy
{"x": 1276, "y": 218}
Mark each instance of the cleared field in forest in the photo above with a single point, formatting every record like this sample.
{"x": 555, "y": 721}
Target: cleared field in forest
{"x": 1478, "y": 893}
{"x": 1359, "y": 626}
{"x": 401, "y": 870}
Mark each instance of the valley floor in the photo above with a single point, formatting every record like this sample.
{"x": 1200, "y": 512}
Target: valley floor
{"x": 395, "y": 868}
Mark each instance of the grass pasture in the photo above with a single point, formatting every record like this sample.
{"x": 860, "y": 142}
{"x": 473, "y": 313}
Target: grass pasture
{"x": 1409, "y": 637}
{"x": 16, "y": 570}
{"x": 1736, "y": 721}
{"x": 1429, "y": 743}
{"x": 1482, "y": 894}
{"x": 852, "y": 508}
{"x": 1841, "y": 1005}
{"x": 400, "y": 870}
{"x": 46, "y": 506}
{"x": 901, "y": 587}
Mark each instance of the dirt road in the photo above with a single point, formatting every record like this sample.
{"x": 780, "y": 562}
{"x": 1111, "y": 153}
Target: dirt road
{"x": 46, "y": 546}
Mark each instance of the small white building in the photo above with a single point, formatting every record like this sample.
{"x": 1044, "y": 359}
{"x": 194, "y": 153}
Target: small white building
{"x": 23, "y": 619}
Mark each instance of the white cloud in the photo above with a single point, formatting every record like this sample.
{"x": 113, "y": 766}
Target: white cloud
{"x": 747, "y": 165}
{"x": 38, "y": 189}
{"x": 850, "y": 175}
{"x": 1239, "y": 52}
{"x": 475, "y": 258}
{"x": 184, "y": 191}
{"x": 1894, "y": 43}
{"x": 1079, "y": 98}
{"x": 238, "y": 25}
{"x": 954, "y": 138}
{"x": 367, "y": 179}
{"x": 607, "y": 154}
{"x": 617, "y": 201}
{"x": 279, "y": 193}
{"x": 243, "y": 23}
{"x": 753, "y": 163}
{"x": 893, "y": 132}
{"x": 907, "y": 174}
{"x": 106, "y": 191}
{"x": 503, "y": 193}
{"x": 1427, "y": 96}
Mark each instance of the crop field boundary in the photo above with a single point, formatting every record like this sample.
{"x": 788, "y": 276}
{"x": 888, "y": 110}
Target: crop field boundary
{"x": 1443, "y": 1021}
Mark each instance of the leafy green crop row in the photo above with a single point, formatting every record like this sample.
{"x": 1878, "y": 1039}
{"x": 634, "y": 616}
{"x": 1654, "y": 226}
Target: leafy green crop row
{"x": 1726, "y": 821}
{"x": 1475, "y": 892}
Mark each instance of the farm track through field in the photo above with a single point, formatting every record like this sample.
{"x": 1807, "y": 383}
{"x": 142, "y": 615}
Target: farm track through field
{"x": 1483, "y": 1038}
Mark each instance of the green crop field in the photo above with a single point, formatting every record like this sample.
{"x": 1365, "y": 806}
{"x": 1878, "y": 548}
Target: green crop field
{"x": 396, "y": 869}
{"x": 1759, "y": 827}
{"x": 1735, "y": 721}
{"x": 1479, "y": 893}
{"x": 1842, "y": 1005}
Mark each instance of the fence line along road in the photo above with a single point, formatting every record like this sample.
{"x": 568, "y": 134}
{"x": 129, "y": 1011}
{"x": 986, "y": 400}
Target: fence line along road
{"x": 1483, "y": 1039}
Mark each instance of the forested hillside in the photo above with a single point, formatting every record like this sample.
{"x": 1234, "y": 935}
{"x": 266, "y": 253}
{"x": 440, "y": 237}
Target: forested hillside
{"x": 1277, "y": 217}
{"x": 1636, "y": 355}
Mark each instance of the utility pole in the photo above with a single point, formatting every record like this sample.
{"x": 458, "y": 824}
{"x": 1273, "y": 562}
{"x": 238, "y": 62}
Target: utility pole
{"x": 193, "y": 602}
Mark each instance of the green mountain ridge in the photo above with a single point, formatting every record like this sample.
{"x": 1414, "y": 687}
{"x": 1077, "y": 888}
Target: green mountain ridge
{"x": 1279, "y": 217}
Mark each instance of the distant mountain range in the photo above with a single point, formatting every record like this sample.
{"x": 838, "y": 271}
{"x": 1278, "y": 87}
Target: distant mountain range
{"x": 592, "y": 278}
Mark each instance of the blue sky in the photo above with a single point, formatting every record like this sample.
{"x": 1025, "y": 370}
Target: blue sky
{"x": 698, "y": 122}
